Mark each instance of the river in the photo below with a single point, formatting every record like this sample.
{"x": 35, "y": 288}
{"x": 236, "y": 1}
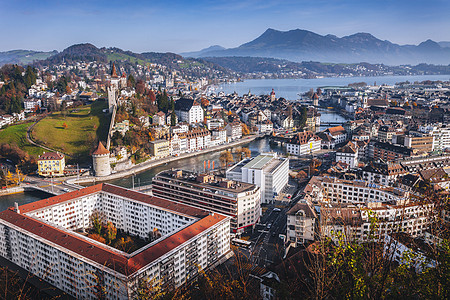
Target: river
{"x": 193, "y": 163}
{"x": 22, "y": 198}
{"x": 290, "y": 88}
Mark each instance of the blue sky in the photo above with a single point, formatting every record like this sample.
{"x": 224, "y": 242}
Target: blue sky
{"x": 179, "y": 26}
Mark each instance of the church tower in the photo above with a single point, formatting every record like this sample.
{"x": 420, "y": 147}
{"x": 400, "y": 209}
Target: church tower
{"x": 272, "y": 95}
{"x": 315, "y": 99}
{"x": 113, "y": 89}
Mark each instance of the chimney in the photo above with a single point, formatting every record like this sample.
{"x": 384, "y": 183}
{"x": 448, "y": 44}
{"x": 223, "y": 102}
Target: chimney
{"x": 16, "y": 207}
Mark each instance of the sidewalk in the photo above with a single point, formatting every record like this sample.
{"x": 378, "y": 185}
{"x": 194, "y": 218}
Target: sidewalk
{"x": 153, "y": 163}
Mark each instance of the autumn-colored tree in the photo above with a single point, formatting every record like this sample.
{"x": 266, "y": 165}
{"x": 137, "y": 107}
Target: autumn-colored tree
{"x": 140, "y": 87}
{"x": 96, "y": 220}
{"x": 97, "y": 237}
{"x": 64, "y": 125}
{"x": 245, "y": 130}
{"x": 111, "y": 232}
{"x": 152, "y": 96}
{"x": 247, "y": 153}
{"x": 204, "y": 102}
{"x": 150, "y": 136}
{"x": 225, "y": 158}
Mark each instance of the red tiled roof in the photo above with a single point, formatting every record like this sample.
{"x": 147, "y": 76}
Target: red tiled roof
{"x": 61, "y": 198}
{"x": 152, "y": 200}
{"x": 101, "y": 254}
{"x": 101, "y": 150}
{"x": 336, "y": 130}
{"x": 51, "y": 156}
{"x": 140, "y": 197}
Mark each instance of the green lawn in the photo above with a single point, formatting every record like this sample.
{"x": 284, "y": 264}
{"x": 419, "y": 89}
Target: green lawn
{"x": 84, "y": 125}
{"x": 16, "y": 134}
{"x": 121, "y": 56}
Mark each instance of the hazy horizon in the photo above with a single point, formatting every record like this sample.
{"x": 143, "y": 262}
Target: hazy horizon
{"x": 179, "y": 27}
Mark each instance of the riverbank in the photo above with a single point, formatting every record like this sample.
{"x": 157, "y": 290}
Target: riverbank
{"x": 153, "y": 163}
{"x": 12, "y": 191}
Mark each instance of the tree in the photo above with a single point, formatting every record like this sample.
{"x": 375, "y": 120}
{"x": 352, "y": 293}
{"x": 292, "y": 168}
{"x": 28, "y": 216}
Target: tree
{"x": 225, "y": 158}
{"x": 302, "y": 117}
{"x": 64, "y": 125}
{"x": 97, "y": 237}
{"x": 247, "y": 152}
{"x": 111, "y": 232}
{"x": 204, "y": 102}
{"x": 131, "y": 82}
{"x": 173, "y": 118}
{"x": 245, "y": 130}
{"x": 96, "y": 220}
{"x": 140, "y": 87}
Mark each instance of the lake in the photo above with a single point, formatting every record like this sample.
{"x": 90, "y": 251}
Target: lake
{"x": 290, "y": 88}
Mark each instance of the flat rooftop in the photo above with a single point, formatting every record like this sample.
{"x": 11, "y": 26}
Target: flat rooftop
{"x": 264, "y": 162}
{"x": 192, "y": 178}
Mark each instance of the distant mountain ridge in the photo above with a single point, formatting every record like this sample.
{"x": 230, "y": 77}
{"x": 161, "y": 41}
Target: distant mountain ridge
{"x": 203, "y": 51}
{"x": 303, "y": 45}
{"x": 23, "y": 56}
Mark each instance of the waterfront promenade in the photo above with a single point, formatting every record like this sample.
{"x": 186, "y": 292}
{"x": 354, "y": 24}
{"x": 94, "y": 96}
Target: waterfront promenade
{"x": 157, "y": 162}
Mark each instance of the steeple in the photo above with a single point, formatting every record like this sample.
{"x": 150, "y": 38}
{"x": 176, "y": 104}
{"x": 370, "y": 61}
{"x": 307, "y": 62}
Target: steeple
{"x": 113, "y": 72}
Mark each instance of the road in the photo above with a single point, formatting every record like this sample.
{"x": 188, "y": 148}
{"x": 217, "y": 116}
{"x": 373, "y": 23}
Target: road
{"x": 55, "y": 186}
{"x": 267, "y": 246}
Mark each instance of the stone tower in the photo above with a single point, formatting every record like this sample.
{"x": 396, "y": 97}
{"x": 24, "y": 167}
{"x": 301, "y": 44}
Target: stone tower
{"x": 272, "y": 95}
{"x": 113, "y": 89}
{"x": 315, "y": 99}
{"x": 100, "y": 160}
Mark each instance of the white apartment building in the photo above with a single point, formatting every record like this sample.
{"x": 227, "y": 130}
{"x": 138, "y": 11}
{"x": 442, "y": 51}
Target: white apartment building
{"x": 178, "y": 144}
{"x": 31, "y": 104}
{"x": 269, "y": 172}
{"x": 304, "y": 143}
{"x": 346, "y": 209}
{"x": 198, "y": 139}
{"x": 188, "y": 110}
{"x": 215, "y": 123}
{"x": 301, "y": 222}
{"x": 356, "y": 191}
{"x": 348, "y": 154}
{"x": 40, "y": 238}
{"x": 234, "y": 131}
{"x": 238, "y": 200}
{"x": 338, "y": 133}
{"x": 264, "y": 126}
{"x": 218, "y": 136}
{"x": 440, "y": 133}
{"x": 354, "y": 223}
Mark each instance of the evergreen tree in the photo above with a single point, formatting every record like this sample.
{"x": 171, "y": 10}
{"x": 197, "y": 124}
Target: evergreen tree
{"x": 173, "y": 119}
{"x": 131, "y": 82}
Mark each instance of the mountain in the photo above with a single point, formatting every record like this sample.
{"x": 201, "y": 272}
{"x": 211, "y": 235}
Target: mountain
{"x": 89, "y": 53}
{"x": 303, "y": 45}
{"x": 23, "y": 56}
{"x": 444, "y": 44}
{"x": 203, "y": 51}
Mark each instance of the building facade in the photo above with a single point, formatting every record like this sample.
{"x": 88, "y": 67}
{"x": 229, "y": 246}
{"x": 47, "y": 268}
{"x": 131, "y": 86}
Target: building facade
{"x": 269, "y": 172}
{"x": 304, "y": 143}
{"x": 238, "y": 200}
{"x": 40, "y": 238}
{"x": 160, "y": 148}
{"x": 51, "y": 164}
